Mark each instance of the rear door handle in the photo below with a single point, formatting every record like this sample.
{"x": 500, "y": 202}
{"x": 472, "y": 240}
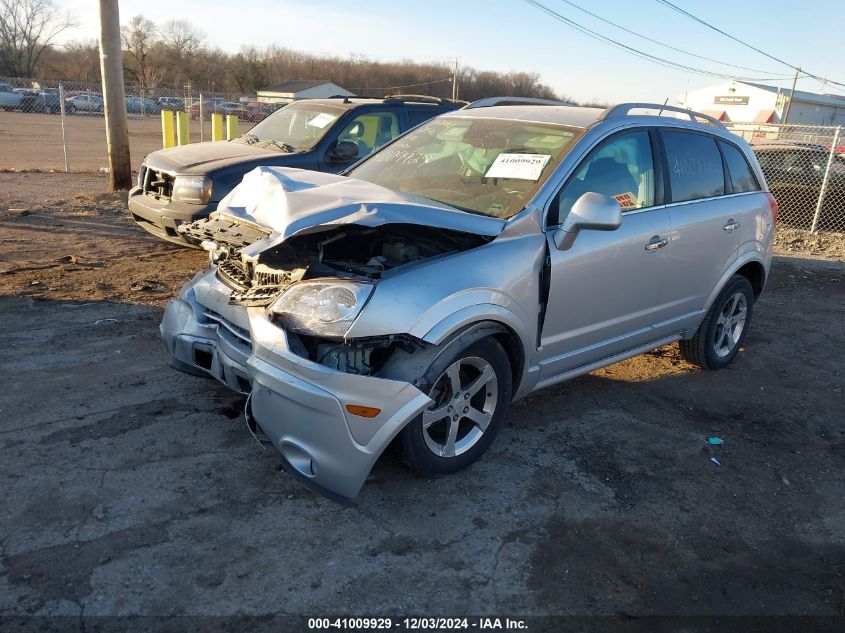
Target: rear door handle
{"x": 731, "y": 226}
{"x": 656, "y": 242}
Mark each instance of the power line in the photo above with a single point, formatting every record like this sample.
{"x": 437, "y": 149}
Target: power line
{"x": 686, "y": 13}
{"x": 422, "y": 83}
{"x": 672, "y": 48}
{"x": 634, "y": 51}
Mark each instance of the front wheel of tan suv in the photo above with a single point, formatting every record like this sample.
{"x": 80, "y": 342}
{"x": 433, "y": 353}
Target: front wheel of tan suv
{"x": 471, "y": 394}
{"x": 721, "y": 334}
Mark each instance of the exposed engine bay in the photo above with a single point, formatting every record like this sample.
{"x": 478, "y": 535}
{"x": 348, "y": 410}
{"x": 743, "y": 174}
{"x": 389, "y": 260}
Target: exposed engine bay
{"x": 349, "y": 251}
{"x": 258, "y": 277}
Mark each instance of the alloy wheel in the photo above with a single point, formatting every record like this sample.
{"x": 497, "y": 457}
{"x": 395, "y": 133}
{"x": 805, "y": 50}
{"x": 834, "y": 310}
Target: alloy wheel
{"x": 730, "y": 324}
{"x": 465, "y": 397}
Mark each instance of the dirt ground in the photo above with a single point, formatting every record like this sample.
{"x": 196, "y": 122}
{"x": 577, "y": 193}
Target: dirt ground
{"x": 130, "y": 488}
{"x": 34, "y": 141}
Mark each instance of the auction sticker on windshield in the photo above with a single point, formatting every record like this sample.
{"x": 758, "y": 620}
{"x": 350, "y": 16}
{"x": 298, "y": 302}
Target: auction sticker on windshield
{"x": 522, "y": 166}
{"x": 322, "y": 120}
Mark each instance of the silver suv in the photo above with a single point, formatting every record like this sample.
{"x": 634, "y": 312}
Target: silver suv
{"x": 487, "y": 253}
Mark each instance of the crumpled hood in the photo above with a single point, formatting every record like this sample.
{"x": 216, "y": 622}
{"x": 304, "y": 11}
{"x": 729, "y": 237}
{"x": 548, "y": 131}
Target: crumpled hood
{"x": 200, "y": 158}
{"x": 292, "y": 201}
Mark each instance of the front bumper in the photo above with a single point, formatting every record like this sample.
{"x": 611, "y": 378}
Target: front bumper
{"x": 299, "y": 405}
{"x": 161, "y": 217}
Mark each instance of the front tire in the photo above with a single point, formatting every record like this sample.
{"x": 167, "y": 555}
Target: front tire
{"x": 471, "y": 395}
{"x": 722, "y": 332}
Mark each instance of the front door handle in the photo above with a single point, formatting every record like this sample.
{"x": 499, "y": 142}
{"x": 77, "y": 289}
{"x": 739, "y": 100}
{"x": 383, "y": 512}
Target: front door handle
{"x": 656, "y": 242}
{"x": 731, "y": 226}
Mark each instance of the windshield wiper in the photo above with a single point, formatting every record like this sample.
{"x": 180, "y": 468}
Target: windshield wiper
{"x": 285, "y": 147}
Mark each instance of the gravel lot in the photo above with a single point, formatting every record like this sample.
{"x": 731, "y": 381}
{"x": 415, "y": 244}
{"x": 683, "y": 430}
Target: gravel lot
{"x": 133, "y": 489}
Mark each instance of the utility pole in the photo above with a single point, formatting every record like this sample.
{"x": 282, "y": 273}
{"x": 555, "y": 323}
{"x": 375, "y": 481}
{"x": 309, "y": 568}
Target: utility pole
{"x": 111, "y": 69}
{"x": 455, "y": 81}
{"x": 791, "y": 97}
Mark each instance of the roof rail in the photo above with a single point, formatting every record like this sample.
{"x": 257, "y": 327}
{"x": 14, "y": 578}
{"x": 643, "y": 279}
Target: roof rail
{"x": 624, "y": 109}
{"x": 422, "y": 99}
{"x": 489, "y": 102}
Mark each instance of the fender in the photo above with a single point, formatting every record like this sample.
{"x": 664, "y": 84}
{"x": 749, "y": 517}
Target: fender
{"x": 412, "y": 368}
{"x": 474, "y": 314}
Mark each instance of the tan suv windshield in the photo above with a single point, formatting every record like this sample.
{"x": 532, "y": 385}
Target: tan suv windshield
{"x": 486, "y": 166}
{"x": 295, "y": 127}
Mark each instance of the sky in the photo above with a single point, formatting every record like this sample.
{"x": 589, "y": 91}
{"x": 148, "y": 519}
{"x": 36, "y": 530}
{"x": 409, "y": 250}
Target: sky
{"x": 505, "y": 35}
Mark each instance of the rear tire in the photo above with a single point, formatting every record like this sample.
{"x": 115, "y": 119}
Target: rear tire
{"x": 722, "y": 332}
{"x": 472, "y": 394}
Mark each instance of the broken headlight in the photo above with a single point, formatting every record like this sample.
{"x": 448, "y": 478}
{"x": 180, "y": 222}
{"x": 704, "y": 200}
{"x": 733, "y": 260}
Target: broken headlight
{"x": 196, "y": 189}
{"x": 321, "y": 308}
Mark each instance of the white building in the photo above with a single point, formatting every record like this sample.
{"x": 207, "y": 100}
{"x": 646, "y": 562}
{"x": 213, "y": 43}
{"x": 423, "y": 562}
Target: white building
{"x": 740, "y": 101}
{"x": 301, "y": 89}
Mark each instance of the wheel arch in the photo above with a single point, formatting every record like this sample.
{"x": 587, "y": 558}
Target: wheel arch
{"x": 493, "y": 320}
{"x": 751, "y": 267}
{"x": 411, "y": 368}
{"x": 755, "y": 273}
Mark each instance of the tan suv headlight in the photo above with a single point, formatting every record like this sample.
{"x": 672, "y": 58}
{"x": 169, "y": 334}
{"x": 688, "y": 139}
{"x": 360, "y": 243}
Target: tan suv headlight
{"x": 321, "y": 308}
{"x": 195, "y": 189}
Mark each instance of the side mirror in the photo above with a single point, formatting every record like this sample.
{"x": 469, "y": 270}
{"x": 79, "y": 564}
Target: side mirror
{"x": 343, "y": 152}
{"x": 592, "y": 211}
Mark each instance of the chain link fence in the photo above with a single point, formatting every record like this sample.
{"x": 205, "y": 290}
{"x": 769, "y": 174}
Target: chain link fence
{"x": 804, "y": 166}
{"x": 51, "y": 125}
{"x": 40, "y": 96}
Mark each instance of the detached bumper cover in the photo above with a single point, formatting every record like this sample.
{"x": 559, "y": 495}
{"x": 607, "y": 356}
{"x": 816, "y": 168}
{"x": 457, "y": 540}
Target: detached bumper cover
{"x": 299, "y": 405}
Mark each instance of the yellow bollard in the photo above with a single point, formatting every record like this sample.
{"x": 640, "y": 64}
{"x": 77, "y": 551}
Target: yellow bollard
{"x": 216, "y": 127}
{"x": 168, "y": 138}
{"x": 182, "y": 132}
{"x": 231, "y": 127}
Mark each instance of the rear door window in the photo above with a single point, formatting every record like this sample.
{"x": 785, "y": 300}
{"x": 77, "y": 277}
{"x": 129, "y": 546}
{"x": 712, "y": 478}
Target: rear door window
{"x": 695, "y": 166}
{"x": 420, "y": 114}
{"x": 739, "y": 171}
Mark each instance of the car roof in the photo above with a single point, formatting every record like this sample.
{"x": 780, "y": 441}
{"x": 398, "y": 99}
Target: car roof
{"x": 561, "y": 113}
{"x": 573, "y": 116}
{"x": 349, "y": 103}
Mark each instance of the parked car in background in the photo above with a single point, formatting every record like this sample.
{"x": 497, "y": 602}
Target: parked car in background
{"x": 795, "y": 172}
{"x": 141, "y": 105}
{"x": 255, "y": 112}
{"x": 234, "y": 108}
{"x": 9, "y": 99}
{"x": 485, "y": 254}
{"x": 171, "y": 103}
{"x": 84, "y": 102}
{"x": 182, "y": 184}
{"x": 210, "y": 106}
{"x": 42, "y": 101}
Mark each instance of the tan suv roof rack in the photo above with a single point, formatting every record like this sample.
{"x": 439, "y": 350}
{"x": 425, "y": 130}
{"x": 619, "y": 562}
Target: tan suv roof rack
{"x": 489, "y": 102}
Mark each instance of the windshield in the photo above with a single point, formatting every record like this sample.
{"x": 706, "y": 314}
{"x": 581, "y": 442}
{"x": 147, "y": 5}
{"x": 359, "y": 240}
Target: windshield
{"x": 487, "y": 166}
{"x": 296, "y": 127}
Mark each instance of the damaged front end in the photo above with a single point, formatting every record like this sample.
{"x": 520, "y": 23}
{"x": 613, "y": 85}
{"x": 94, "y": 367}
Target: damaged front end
{"x": 296, "y": 258}
{"x": 258, "y": 276}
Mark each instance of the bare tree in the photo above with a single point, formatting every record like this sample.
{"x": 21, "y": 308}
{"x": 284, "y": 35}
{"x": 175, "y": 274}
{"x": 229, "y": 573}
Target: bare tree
{"x": 139, "y": 39}
{"x": 27, "y": 28}
{"x": 82, "y": 60}
{"x": 180, "y": 44}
